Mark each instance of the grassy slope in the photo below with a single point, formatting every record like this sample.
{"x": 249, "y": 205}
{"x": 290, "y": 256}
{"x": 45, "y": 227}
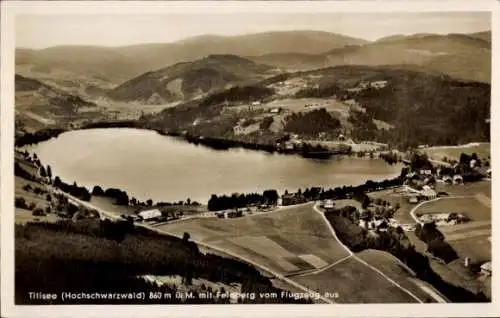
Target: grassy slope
{"x": 292, "y": 232}
{"x": 389, "y": 265}
{"x": 355, "y": 283}
{"x": 483, "y": 151}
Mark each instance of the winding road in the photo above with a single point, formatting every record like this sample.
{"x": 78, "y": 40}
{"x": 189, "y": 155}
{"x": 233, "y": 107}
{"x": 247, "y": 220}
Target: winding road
{"x": 332, "y": 231}
{"x": 207, "y": 246}
{"x": 263, "y": 268}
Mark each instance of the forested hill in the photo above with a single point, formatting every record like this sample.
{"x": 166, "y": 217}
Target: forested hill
{"x": 187, "y": 80}
{"x": 430, "y": 110}
{"x": 419, "y": 108}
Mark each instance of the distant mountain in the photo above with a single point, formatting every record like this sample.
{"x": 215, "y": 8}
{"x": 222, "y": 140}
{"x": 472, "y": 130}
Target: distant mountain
{"x": 187, "y": 80}
{"x": 39, "y": 104}
{"x": 466, "y": 57}
{"x": 118, "y": 64}
{"x": 485, "y": 35}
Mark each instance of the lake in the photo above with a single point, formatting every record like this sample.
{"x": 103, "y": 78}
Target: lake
{"x": 148, "y": 165}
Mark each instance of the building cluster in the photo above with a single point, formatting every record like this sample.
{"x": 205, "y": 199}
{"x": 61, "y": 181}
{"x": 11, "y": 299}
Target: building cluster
{"x": 445, "y": 219}
{"x": 154, "y": 215}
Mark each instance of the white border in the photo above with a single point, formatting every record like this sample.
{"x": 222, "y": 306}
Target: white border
{"x": 12, "y": 8}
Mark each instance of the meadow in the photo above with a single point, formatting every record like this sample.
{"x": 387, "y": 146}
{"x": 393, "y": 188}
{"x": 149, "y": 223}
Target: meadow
{"x": 289, "y": 241}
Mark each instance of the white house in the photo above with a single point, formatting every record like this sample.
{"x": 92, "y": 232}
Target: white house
{"x": 378, "y": 84}
{"x": 329, "y": 204}
{"x": 473, "y": 163}
{"x": 256, "y": 103}
{"x": 458, "y": 179}
{"x": 362, "y": 223}
{"x": 150, "y": 214}
{"x": 428, "y": 192}
{"x": 447, "y": 179}
{"x": 413, "y": 199}
{"x": 486, "y": 269}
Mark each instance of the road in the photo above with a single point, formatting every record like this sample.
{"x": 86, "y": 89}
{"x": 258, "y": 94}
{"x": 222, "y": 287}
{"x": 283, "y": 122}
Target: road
{"x": 416, "y": 207}
{"x": 332, "y": 231}
{"x": 266, "y": 269}
{"x": 207, "y": 246}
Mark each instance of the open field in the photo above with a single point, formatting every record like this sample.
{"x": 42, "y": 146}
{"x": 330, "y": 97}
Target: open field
{"x": 108, "y": 205}
{"x": 297, "y": 242}
{"x": 466, "y": 189}
{"x": 454, "y": 272}
{"x": 470, "y": 206}
{"x": 23, "y": 216}
{"x": 348, "y": 202}
{"x": 29, "y": 196}
{"x": 483, "y": 151}
{"x": 288, "y": 241}
{"x": 355, "y": 283}
{"x": 400, "y": 273}
{"x": 478, "y": 201}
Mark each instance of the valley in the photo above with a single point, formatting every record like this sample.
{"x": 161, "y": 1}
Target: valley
{"x": 266, "y": 163}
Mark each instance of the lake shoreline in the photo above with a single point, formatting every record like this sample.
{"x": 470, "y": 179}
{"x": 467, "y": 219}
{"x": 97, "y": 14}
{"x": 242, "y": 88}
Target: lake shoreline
{"x": 216, "y": 172}
{"x": 311, "y": 152}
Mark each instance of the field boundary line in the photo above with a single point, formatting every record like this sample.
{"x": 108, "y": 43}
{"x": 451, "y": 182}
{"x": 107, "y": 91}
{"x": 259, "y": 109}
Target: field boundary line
{"x": 317, "y": 271}
{"x": 315, "y": 207}
{"x": 241, "y": 258}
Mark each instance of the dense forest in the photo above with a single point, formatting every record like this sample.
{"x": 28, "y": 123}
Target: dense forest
{"x": 312, "y": 123}
{"x": 429, "y": 110}
{"x": 103, "y": 256}
{"x": 436, "y": 244}
{"x": 36, "y": 137}
{"x": 238, "y": 94}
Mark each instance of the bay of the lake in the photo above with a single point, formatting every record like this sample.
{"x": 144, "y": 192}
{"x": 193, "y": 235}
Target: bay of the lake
{"x": 149, "y": 165}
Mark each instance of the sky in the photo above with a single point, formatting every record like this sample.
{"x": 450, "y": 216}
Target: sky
{"x": 41, "y": 31}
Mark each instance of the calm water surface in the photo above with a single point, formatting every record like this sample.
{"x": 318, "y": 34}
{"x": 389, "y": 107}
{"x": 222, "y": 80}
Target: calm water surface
{"x": 148, "y": 165}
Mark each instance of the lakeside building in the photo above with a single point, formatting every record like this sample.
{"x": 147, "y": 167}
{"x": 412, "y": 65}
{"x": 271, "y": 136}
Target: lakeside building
{"x": 147, "y": 215}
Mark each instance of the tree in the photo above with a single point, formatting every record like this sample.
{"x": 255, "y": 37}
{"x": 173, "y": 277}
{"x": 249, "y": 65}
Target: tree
{"x": 43, "y": 173}
{"x": 149, "y": 202}
{"x": 49, "y": 172}
{"x": 185, "y": 238}
{"x": 465, "y": 159}
{"x": 57, "y": 182}
{"x": 97, "y": 190}
{"x": 188, "y": 201}
{"x": 419, "y": 161}
{"x": 366, "y": 202}
{"x": 271, "y": 196}
{"x": 20, "y": 202}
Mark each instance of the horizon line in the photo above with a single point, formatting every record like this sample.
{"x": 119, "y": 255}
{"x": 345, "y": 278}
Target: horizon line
{"x": 234, "y": 35}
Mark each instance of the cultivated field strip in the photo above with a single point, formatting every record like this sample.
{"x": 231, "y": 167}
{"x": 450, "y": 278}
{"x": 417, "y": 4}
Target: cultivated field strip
{"x": 464, "y": 227}
{"x": 468, "y": 234}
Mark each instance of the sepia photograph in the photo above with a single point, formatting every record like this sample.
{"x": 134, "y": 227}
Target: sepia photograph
{"x": 246, "y": 155}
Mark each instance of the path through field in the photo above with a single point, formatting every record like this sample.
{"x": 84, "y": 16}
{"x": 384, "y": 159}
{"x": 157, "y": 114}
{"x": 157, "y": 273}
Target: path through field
{"x": 363, "y": 262}
{"x": 302, "y": 282}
